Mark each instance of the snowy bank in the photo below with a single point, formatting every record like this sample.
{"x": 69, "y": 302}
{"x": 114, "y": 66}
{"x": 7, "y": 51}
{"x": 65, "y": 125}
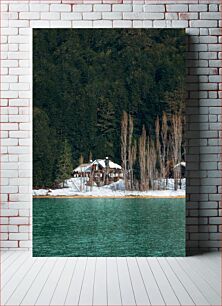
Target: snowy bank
{"x": 75, "y": 185}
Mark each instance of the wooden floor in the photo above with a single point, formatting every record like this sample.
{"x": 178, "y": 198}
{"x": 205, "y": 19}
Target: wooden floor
{"x": 110, "y": 281}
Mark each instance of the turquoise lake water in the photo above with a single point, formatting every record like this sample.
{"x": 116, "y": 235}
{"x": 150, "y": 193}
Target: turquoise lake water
{"x": 108, "y": 227}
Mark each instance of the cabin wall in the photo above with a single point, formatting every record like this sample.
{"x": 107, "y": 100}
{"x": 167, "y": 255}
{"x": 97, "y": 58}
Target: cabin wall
{"x": 201, "y": 18}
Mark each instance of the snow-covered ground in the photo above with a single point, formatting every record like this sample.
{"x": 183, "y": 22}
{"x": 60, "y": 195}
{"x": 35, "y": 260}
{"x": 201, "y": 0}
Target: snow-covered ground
{"x": 76, "y": 187}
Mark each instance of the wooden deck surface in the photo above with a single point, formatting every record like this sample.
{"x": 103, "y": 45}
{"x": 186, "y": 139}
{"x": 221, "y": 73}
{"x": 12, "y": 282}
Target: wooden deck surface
{"x": 192, "y": 280}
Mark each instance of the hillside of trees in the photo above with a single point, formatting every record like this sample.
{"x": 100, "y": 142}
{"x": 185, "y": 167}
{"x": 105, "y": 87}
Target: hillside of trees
{"x": 85, "y": 80}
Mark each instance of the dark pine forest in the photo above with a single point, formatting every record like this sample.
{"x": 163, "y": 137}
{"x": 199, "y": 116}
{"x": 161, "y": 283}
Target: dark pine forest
{"x": 84, "y": 79}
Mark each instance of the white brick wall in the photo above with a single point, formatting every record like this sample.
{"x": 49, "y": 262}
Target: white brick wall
{"x": 201, "y": 20}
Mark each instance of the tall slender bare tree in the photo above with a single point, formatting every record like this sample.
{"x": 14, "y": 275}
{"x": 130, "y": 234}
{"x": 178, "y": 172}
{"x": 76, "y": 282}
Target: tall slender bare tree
{"x": 124, "y": 132}
{"x": 176, "y": 146}
{"x": 130, "y": 156}
{"x": 158, "y": 150}
{"x": 165, "y": 150}
{"x": 142, "y": 159}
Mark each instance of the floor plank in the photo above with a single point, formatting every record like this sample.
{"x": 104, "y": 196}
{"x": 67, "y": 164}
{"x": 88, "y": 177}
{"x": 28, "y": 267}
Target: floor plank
{"x": 179, "y": 289}
{"x": 49, "y": 287}
{"x": 86, "y": 294}
{"x": 18, "y": 277}
{"x": 5, "y": 255}
{"x": 137, "y": 281}
{"x": 190, "y": 286}
{"x": 18, "y": 294}
{"x": 211, "y": 260}
{"x": 11, "y": 261}
{"x": 208, "y": 292}
{"x": 61, "y": 290}
{"x": 36, "y": 287}
{"x": 213, "y": 279}
{"x": 165, "y": 287}
{"x": 126, "y": 289}
{"x": 76, "y": 282}
{"x": 113, "y": 286}
{"x": 100, "y": 283}
{"x": 13, "y": 270}
{"x": 152, "y": 287}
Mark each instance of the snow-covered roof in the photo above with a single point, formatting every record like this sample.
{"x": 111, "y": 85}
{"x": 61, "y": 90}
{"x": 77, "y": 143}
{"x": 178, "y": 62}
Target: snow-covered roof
{"x": 183, "y": 164}
{"x": 101, "y": 162}
{"x": 83, "y": 168}
{"x": 112, "y": 165}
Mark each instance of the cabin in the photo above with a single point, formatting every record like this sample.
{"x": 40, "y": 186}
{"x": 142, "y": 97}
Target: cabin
{"x": 99, "y": 171}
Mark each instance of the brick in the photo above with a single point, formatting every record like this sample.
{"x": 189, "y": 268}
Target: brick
{"x": 24, "y": 212}
{"x": 9, "y": 244}
{"x": 138, "y": 15}
{"x": 19, "y": 71}
{"x": 92, "y": 16}
{"x": 39, "y": 24}
{"x": 18, "y": 7}
{"x": 18, "y": 236}
{"x": 154, "y": 8}
{"x": 213, "y": 7}
{"x": 137, "y": 7}
{"x": 9, "y": 142}
{"x": 25, "y": 244}
{"x": 4, "y": 220}
{"x": 24, "y": 229}
{"x": 177, "y": 8}
{"x": 207, "y": 16}
{"x": 18, "y": 220}
{"x": 60, "y": 24}
{"x": 29, "y": 15}
{"x": 208, "y": 39}
{"x": 9, "y": 63}
{"x": 112, "y": 15}
{"x": 9, "y": 126}
{"x": 179, "y": 23}
{"x": 188, "y": 16}
{"x": 9, "y": 212}
{"x": 162, "y": 24}
{"x": 197, "y": 7}
{"x": 82, "y": 24}
{"x": 51, "y": 16}
{"x": 19, "y": 118}
{"x": 121, "y": 7}
{"x": 102, "y": 7}
{"x": 18, "y": 23}
{"x": 203, "y": 23}
{"x": 60, "y": 8}
{"x": 8, "y": 228}
{"x": 122, "y": 23}
{"x": 171, "y": 16}
{"x": 37, "y": 7}
{"x": 71, "y": 16}
{"x": 102, "y": 24}
{"x": 147, "y": 24}
{"x": 18, "y": 150}
{"x": 82, "y": 8}
{"x": 215, "y": 63}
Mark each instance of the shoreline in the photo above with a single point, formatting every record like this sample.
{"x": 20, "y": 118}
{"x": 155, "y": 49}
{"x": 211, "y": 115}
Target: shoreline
{"x": 106, "y": 197}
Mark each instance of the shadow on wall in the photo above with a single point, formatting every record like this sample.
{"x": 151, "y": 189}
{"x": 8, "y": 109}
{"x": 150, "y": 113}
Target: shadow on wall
{"x": 192, "y": 135}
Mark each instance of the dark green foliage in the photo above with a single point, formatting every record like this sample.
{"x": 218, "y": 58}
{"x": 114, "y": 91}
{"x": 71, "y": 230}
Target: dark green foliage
{"x": 64, "y": 164}
{"x": 84, "y": 79}
{"x": 44, "y": 153}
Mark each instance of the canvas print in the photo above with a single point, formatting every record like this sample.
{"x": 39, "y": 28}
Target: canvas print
{"x": 109, "y": 154}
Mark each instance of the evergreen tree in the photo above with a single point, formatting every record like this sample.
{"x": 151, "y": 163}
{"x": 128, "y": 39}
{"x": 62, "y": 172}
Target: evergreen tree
{"x": 44, "y": 149}
{"x": 64, "y": 163}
